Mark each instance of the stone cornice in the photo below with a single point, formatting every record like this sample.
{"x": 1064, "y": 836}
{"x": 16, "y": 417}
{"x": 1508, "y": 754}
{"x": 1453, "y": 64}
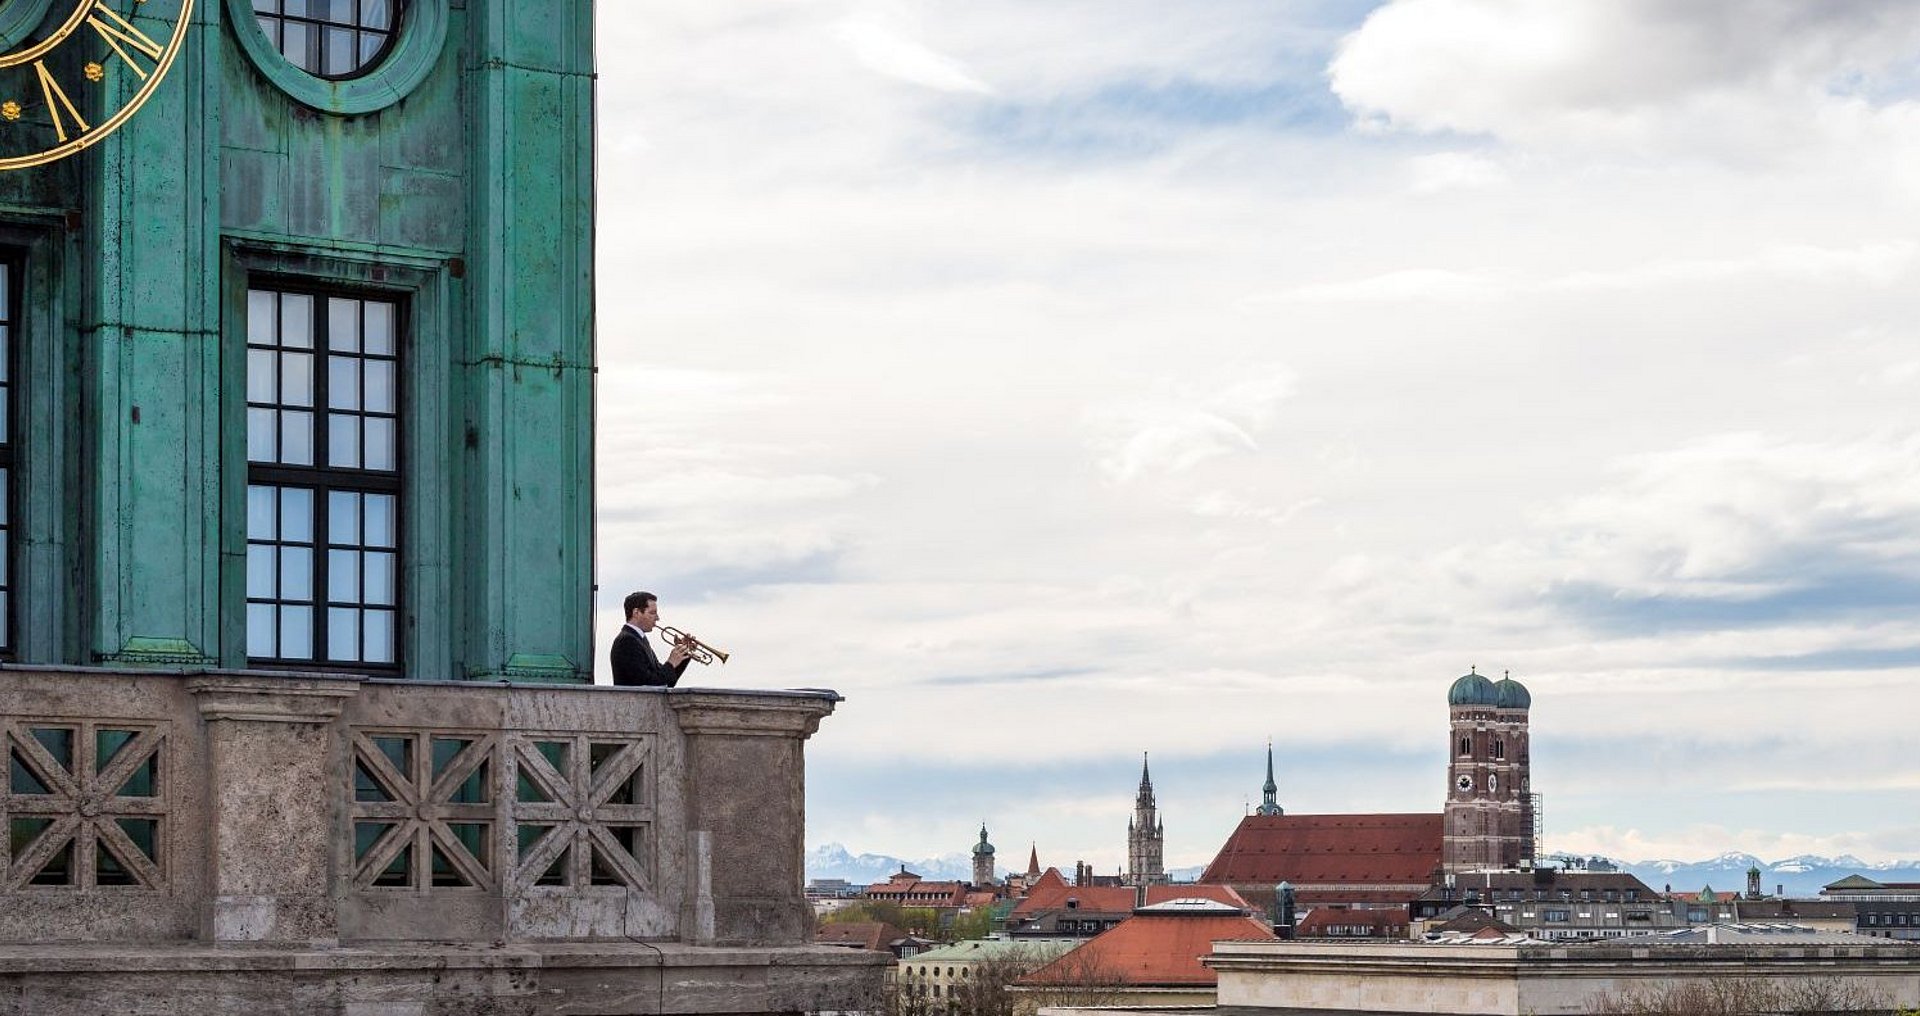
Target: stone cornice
{"x": 271, "y": 699}
{"x": 747, "y": 714}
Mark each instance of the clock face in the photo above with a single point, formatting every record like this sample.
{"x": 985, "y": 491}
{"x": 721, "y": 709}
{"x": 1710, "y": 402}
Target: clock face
{"x": 84, "y": 70}
{"x": 1493, "y": 784}
{"x": 1465, "y": 782}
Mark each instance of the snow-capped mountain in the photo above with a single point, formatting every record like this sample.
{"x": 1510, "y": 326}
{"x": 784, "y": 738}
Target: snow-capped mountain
{"x": 1800, "y": 875}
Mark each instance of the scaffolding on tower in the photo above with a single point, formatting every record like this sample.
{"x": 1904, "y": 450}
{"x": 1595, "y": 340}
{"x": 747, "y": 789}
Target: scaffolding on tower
{"x": 1538, "y": 825}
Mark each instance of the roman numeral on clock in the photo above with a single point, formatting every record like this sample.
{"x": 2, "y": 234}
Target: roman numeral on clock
{"x": 121, "y": 34}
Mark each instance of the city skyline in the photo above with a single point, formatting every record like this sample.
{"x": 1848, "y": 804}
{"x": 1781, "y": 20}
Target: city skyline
{"x": 1064, "y": 381}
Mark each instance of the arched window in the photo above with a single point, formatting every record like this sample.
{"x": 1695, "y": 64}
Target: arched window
{"x": 1499, "y": 748}
{"x": 1466, "y": 745}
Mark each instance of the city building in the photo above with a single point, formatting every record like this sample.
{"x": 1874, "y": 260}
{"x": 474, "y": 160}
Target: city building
{"x": 297, "y": 540}
{"x": 1339, "y": 922}
{"x": 946, "y": 973}
{"x": 910, "y": 890}
{"x": 872, "y": 936}
{"x": 1146, "y": 836}
{"x": 1548, "y": 903}
{"x": 1053, "y": 908}
{"x": 1881, "y": 909}
{"x": 1152, "y": 958}
{"x": 1386, "y": 860}
{"x": 1494, "y": 978}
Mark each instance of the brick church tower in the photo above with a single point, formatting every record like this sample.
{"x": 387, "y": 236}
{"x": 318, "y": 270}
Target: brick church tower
{"x": 1489, "y": 811}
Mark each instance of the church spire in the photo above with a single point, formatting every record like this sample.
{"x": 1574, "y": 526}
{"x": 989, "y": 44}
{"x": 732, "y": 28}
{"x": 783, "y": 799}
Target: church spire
{"x": 1033, "y": 861}
{"x": 1270, "y": 793}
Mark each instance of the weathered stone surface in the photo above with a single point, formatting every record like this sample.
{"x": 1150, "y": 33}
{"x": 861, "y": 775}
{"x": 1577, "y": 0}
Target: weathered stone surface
{"x": 432, "y": 980}
{"x": 670, "y": 821}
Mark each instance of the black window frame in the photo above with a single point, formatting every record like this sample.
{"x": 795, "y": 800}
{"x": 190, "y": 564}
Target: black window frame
{"x": 323, "y": 480}
{"x": 273, "y": 19}
{"x": 12, "y": 264}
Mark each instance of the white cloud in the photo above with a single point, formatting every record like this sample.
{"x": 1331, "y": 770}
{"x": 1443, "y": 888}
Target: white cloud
{"x": 1179, "y": 428}
{"x": 883, "y": 51}
{"x": 1446, "y": 171}
{"x": 1715, "y": 74}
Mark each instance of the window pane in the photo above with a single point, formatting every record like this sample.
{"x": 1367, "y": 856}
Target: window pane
{"x": 296, "y": 312}
{"x": 296, "y": 633}
{"x": 260, "y": 572}
{"x": 260, "y": 629}
{"x": 296, "y": 573}
{"x": 379, "y": 520}
{"x": 343, "y": 441}
{"x": 379, "y": 443}
{"x": 343, "y": 576}
{"x": 379, "y": 585}
{"x": 343, "y": 325}
{"x": 268, "y": 6}
{"x": 260, "y": 435}
{"x": 296, "y": 514}
{"x": 296, "y": 438}
{"x": 260, "y": 512}
{"x": 379, "y": 315}
{"x": 343, "y": 518}
{"x": 343, "y": 633}
{"x": 379, "y": 375}
{"x": 370, "y": 44}
{"x": 296, "y": 379}
{"x": 343, "y": 382}
{"x": 260, "y": 386}
{"x": 297, "y": 8}
{"x": 296, "y": 43}
{"x": 379, "y": 634}
{"x": 260, "y": 318}
{"x": 340, "y": 55}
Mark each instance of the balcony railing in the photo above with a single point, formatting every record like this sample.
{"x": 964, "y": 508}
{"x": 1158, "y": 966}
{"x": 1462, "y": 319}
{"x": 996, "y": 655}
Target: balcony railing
{"x": 299, "y": 808}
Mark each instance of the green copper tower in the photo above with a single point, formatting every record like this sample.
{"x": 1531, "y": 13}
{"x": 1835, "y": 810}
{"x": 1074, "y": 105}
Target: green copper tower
{"x": 299, "y": 356}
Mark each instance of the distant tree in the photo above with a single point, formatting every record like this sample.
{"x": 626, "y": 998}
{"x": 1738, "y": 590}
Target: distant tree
{"x": 1746, "y": 997}
{"x": 975, "y": 923}
{"x": 1078, "y": 980}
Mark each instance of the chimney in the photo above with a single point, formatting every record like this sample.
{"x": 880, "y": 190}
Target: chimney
{"x": 1140, "y": 895}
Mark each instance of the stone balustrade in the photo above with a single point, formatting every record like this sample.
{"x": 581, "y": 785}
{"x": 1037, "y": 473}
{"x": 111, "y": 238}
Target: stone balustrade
{"x": 300, "y": 808}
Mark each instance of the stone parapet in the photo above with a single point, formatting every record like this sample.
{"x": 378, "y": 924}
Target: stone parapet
{"x": 316, "y": 812}
{"x": 440, "y": 980}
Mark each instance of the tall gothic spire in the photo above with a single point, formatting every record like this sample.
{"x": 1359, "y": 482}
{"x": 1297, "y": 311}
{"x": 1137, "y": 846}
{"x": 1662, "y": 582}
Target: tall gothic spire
{"x": 1145, "y": 796}
{"x": 1270, "y": 793}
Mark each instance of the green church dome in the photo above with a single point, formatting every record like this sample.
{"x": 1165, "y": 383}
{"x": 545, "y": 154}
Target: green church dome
{"x": 1511, "y": 694}
{"x": 1472, "y": 690}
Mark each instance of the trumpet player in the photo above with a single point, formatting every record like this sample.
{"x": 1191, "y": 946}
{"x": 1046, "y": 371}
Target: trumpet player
{"x": 634, "y": 662}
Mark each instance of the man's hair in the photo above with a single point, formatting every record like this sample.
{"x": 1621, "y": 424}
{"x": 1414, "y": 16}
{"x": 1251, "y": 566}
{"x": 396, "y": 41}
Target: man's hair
{"x": 637, "y": 601}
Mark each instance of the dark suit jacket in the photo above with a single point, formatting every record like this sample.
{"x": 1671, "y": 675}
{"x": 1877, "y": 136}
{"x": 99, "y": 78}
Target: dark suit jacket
{"x": 635, "y": 665}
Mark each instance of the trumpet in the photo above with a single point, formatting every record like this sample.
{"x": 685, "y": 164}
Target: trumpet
{"x": 697, "y": 650}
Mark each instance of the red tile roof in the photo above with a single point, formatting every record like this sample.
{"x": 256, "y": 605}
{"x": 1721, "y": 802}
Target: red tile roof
{"x": 1329, "y": 849}
{"x": 1322, "y": 922}
{"x": 1116, "y": 899}
{"x": 1152, "y": 950}
{"x": 871, "y": 935}
{"x": 1218, "y": 893}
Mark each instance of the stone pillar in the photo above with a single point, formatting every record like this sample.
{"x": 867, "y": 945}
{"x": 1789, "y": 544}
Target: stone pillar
{"x": 746, "y": 813}
{"x": 274, "y": 757}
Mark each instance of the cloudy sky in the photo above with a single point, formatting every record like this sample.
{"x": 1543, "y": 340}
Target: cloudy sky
{"x": 1065, "y": 379}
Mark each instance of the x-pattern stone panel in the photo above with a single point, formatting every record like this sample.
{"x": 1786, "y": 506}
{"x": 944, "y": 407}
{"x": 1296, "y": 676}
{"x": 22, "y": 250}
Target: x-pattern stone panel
{"x": 424, "y": 810}
{"x": 85, "y": 805}
{"x": 583, "y": 811}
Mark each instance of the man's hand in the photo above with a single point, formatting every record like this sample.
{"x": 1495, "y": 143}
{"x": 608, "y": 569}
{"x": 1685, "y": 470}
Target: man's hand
{"x": 677, "y": 656}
